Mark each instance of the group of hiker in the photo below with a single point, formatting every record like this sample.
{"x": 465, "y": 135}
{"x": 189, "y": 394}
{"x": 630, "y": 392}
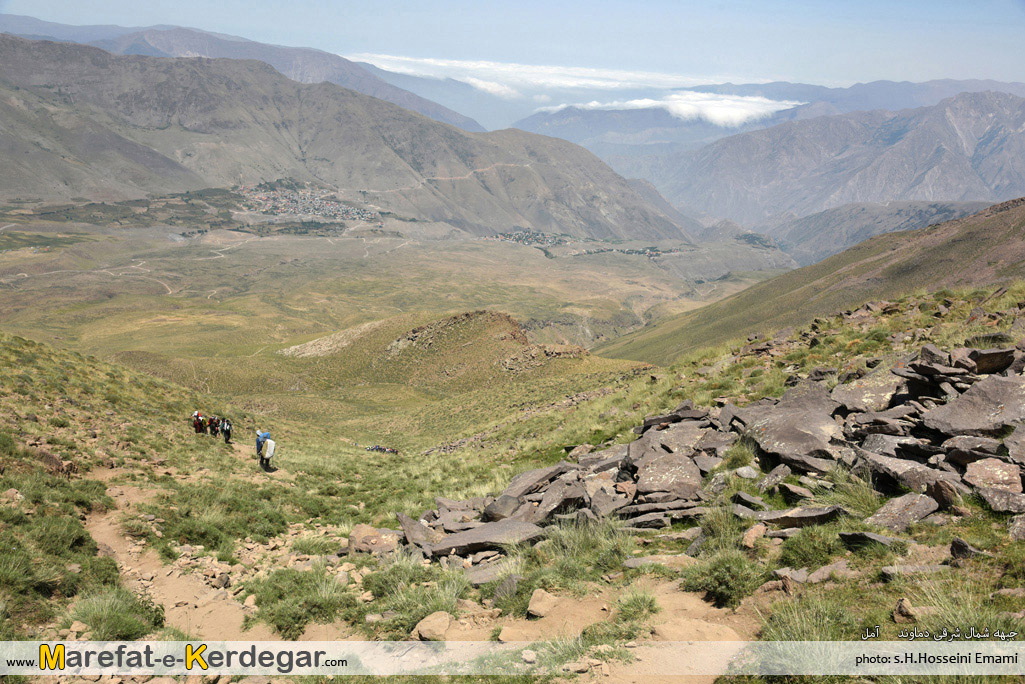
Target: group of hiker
{"x": 381, "y": 449}
{"x": 214, "y": 425}
{"x": 211, "y": 425}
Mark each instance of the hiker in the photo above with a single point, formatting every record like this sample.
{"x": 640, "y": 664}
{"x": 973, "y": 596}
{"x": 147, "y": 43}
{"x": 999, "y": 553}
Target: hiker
{"x": 197, "y": 422}
{"x": 268, "y": 452}
{"x": 261, "y": 442}
{"x": 215, "y": 425}
{"x": 226, "y": 430}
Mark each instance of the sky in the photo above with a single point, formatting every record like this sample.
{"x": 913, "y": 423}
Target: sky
{"x": 531, "y": 48}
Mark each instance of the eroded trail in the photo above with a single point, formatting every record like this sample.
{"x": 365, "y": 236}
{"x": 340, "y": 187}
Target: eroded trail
{"x": 190, "y": 604}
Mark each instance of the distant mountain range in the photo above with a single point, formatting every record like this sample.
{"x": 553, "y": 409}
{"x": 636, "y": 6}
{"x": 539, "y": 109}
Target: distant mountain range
{"x": 620, "y": 134}
{"x": 814, "y": 237}
{"x": 970, "y": 147}
{"x": 81, "y": 122}
{"x": 984, "y": 249}
{"x": 305, "y": 65}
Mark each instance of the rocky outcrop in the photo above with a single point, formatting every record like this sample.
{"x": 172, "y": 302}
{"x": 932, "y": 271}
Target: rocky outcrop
{"x": 932, "y": 424}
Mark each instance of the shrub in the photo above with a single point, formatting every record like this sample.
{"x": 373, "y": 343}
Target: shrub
{"x": 812, "y": 547}
{"x": 726, "y": 578}
{"x": 118, "y": 615}
{"x": 290, "y": 599}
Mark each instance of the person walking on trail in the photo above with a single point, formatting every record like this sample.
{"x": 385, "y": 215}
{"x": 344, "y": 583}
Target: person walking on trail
{"x": 226, "y": 430}
{"x": 262, "y": 437}
{"x": 215, "y": 425}
{"x": 268, "y": 452}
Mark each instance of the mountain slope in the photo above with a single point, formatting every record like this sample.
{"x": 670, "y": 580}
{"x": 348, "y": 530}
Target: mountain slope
{"x": 221, "y": 122}
{"x": 812, "y": 238}
{"x": 621, "y": 136}
{"x": 305, "y": 65}
{"x": 969, "y": 147}
{"x": 983, "y": 249}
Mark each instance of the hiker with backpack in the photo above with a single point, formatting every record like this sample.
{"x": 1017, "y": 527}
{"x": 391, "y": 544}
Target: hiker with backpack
{"x": 215, "y": 425}
{"x": 264, "y": 448}
{"x": 226, "y": 430}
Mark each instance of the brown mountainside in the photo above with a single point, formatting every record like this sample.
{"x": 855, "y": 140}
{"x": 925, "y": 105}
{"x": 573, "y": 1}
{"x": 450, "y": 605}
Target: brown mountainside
{"x": 94, "y": 124}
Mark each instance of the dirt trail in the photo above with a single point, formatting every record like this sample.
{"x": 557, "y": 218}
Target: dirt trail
{"x": 189, "y": 603}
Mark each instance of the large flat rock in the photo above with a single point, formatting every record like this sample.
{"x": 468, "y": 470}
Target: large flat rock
{"x": 994, "y": 473}
{"x": 870, "y": 393}
{"x": 532, "y": 480}
{"x": 494, "y": 535}
{"x": 665, "y": 472}
{"x": 985, "y": 410}
{"x": 802, "y": 516}
{"x": 798, "y": 430}
{"x": 910, "y": 474}
{"x": 898, "y": 514}
{"x": 1003, "y": 501}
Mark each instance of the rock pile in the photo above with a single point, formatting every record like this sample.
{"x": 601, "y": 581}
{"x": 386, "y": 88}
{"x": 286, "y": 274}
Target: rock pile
{"x": 937, "y": 425}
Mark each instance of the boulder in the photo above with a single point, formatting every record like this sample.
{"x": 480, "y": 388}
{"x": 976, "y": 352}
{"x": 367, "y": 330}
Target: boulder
{"x": 752, "y": 502}
{"x": 604, "y": 502}
{"x": 870, "y": 393}
{"x": 682, "y": 438}
{"x": 541, "y": 603}
{"x": 898, "y": 514}
{"x": 562, "y": 495}
{"x": 484, "y": 574}
{"x": 985, "y": 410}
{"x": 668, "y": 473}
{"x": 533, "y": 480}
{"x": 799, "y": 576}
{"x": 854, "y": 540}
{"x": 1002, "y": 500}
{"x": 1015, "y": 445}
{"x": 794, "y": 493}
{"x": 493, "y": 535}
{"x": 837, "y": 570}
{"x": 801, "y": 516}
{"x": 746, "y": 472}
{"x": 1016, "y": 528}
{"x": 367, "y": 539}
{"x": 994, "y": 473}
{"x": 992, "y": 360}
{"x": 775, "y": 476}
{"x": 798, "y": 430}
{"x": 753, "y": 534}
{"x": 433, "y": 627}
{"x": 715, "y": 443}
{"x": 965, "y": 449}
{"x": 959, "y": 548}
{"x": 416, "y": 533}
{"x": 501, "y": 508}
{"x": 706, "y": 463}
{"x": 945, "y": 493}
{"x": 910, "y": 474}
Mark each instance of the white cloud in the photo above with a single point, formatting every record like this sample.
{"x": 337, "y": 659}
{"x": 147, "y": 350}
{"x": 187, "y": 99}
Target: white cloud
{"x": 493, "y": 88}
{"x": 521, "y": 77}
{"x": 721, "y": 110}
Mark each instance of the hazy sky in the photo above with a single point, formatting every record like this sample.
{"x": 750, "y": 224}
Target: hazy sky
{"x": 830, "y": 42}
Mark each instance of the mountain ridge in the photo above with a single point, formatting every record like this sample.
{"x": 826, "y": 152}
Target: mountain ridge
{"x": 203, "y": 122}
{"x": 966, "y": 148}
{"x": 984, "y": 249}
{"x": 306, "y": 65}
